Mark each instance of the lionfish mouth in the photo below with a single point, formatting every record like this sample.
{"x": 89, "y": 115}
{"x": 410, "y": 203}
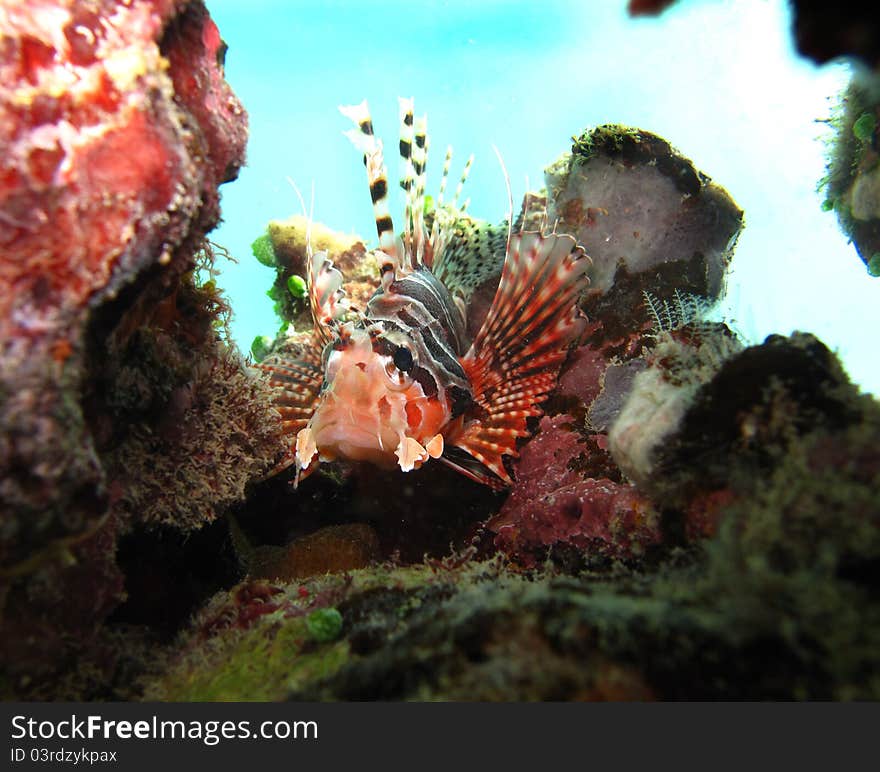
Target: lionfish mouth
{"x": 353, "y": 441}
{"x": 345, "y": 437}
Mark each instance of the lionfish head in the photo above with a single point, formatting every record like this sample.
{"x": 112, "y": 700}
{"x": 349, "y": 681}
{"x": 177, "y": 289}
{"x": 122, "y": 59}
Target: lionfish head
{"x": 372, "y": 406}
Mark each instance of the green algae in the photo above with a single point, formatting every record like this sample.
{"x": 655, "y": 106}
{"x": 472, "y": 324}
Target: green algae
{"x": 264, "y": 663}
{"x": 863, "y": 127}
{"x": 260, "y": 347}
{"x": 296, "y": 286}
{"x": 324, "y": 625}
{"x": 851, "y": 183}
{"x": 262, "y": 249}
{"x": 609, "y": 137}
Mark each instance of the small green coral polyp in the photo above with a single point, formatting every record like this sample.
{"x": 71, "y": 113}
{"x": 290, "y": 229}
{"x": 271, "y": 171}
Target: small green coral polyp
{"x": 324, "y": 625}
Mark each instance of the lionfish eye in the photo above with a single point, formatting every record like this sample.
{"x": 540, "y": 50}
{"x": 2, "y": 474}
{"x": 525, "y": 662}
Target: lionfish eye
{"x": 403, "y": 359}
{"x": 399, "y": 367}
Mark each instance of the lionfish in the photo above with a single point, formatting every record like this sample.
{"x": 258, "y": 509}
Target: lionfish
{"x": 399, "y": 382}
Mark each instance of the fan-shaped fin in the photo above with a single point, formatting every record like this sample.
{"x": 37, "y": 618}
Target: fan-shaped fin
{"x": 298, "y": 384}
{"x": 515, "y": 358}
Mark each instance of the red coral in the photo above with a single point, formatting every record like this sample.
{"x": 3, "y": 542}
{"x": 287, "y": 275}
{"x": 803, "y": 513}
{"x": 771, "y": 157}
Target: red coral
{"x": 114, "y": 142}
{"x": 555, "y": 503}
{"x": 117, "y": 127}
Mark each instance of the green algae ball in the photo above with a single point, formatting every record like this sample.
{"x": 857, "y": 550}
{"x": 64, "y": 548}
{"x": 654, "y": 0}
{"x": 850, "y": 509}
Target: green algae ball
{"x": 324, "y": 625}
{"x": 260, "y": 347}
{"x": 864, "y": 127}
{"x": 296, "y": 285}
{"x": 263, "y": 250}
{"x": 874, "y": 264}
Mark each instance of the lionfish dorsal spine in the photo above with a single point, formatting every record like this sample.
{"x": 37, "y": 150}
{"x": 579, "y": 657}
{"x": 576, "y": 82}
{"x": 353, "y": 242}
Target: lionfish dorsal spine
{"x": 377, "y": 177}
{"x": 420, "y": 163}
{"x": 406, "y": 162}
{"x": 413, "y": 157}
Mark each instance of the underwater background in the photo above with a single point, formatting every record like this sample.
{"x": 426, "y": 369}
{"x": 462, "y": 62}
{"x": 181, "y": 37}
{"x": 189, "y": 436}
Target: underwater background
{"x": 720, "y": 80}
{"x": 673, "y": 512}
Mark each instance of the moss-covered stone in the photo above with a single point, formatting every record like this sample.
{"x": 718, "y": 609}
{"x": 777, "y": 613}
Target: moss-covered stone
{"x": 851, "y": 184}
{"x": 265, "y": 663}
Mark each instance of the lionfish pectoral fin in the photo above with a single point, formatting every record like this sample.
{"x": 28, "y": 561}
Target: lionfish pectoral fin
{"x": 514, "y": 361}
{"x": 468, "y": 466}
{"x": 434, "y": 446}
{"x": 410, "y": 454}
{"x": 305, "y": 455}
{"x": 298, "y": 384}
{"x": 306, "y": 449}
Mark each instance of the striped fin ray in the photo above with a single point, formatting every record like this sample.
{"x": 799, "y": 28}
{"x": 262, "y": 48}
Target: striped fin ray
{"x": 441, "y": 225}
{"x": 377, "y": 176}
{"x": 447, "y": 163}
{"x": 297, "y": 381}
{"x": 407, "y": 175}
{"x": 515, "y": 358}
{"x": 458, "y": 188}
{"x": 447, "y": 218}
{"x": 417, "y": 203}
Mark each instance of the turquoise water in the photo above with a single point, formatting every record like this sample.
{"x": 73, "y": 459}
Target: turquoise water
{"x": 719, "y": 80}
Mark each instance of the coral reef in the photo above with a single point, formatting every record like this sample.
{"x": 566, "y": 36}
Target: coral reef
{"x": 283, "y": 247}
{"x": 111, "y": 171}
{"x": 776, "y": 601}
{"x": 692, "y": 518}
{"x": 779, "y": 603}
{"x": 565, "y": 502}
{"x": 121, "y": 406}
{"x": 661, "y": 236}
